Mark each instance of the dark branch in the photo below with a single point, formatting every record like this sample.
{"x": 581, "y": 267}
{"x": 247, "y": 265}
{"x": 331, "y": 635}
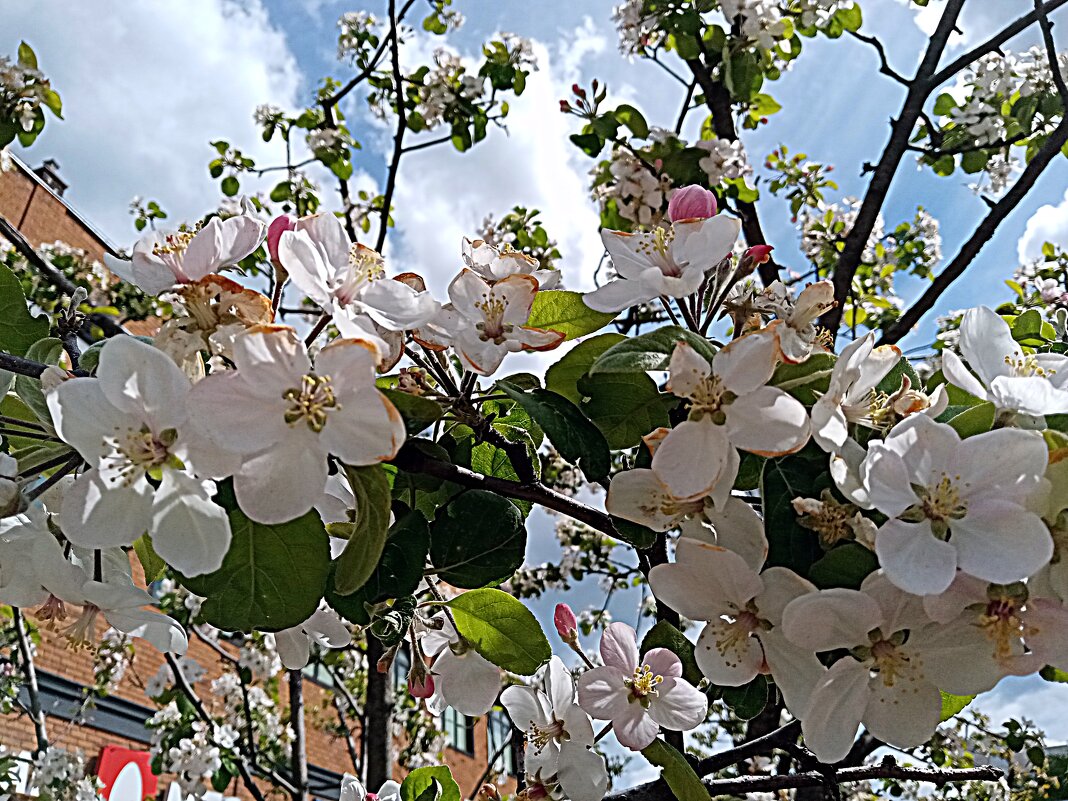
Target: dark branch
{"x": 919, "y": 88}
{"x": 983, "y": 233}
{"x": 884, "y": 64}
{"x": 9, "y": 232}
{"x": 398, "y": 137}
{"x": 27, "y": 367}
{"x": 298, "y": 752}
{"x": 30, "y": 674}
{"x": 757, "y": 747}
{"x": 1051, "y": 53}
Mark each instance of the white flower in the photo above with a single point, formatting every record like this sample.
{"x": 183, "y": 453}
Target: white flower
{"x": 956, "y": 504}
{"x": 162, "y": 260}
{"x": 493, "y": 263}
{"x": 796, "y": 331}
{"x": 324, "y": 628}
{"x": 731, "y": 407}
{"x": 128, "y": 423}
{"x": 1032, "y": 384}
{"x": 559, "y": 735}
{"x": 489, "y": 321}
{"x": 463, "y": 679}
{"x": 348, "y": 279}
{"x": 744, "y": 613}
{"x": 890, "y": 678}
{"x": 122, "y": 606}
{"x": 669, "y": 261}
{"x": 283, "y": 418}
{"x": 352, "y": 789}
{"x": 639, "y": 694}
{"x": 10, "y": 499}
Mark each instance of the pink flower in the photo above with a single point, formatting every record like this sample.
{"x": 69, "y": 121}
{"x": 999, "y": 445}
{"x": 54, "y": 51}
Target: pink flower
{"x": 692, "y": 203}
{"x": 566, "y": 623}
{"x": 639, "y": 694}
{"x": 278, "y": 226}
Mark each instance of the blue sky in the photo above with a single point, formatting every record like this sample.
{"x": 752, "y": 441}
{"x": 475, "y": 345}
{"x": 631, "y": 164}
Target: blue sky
{"x": 146, "y": 86}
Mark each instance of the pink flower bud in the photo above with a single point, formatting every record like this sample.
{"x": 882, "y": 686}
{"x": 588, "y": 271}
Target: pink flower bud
{"x": 759, "y": 254}
{"x": 566, "y": 623}
{"x": 279, "y": 225}
{"x": 422, "y": 686}
{"x": 692, "y": 203}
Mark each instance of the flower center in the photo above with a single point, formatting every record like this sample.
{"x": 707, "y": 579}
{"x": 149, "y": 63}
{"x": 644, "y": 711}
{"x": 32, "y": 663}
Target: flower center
{"x": 1000, "y": 620}
{"x": 656, "y": 247}
{"x": 80, "y": 633}
{"x": 52, "y": 611}
{"x": 310, "y": 402}
{"x": 492, "y": 327}
{"x": 539, "y": 737}
{"x": 1025, "y": 366}
{"x": 709, "y": 398}
{"x": 832, "y": 521}
{"x": 939, "y": 503}
{"x": 136, "y": 452}
{"x": 365, "y": 267}
{"x": 171, "y": 251}
{"x": 643, "y": 684}
{"x": 733, "y": 633}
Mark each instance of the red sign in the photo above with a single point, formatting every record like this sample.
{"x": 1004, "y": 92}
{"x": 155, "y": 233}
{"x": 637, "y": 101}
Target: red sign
{"x": 114, "y": 758}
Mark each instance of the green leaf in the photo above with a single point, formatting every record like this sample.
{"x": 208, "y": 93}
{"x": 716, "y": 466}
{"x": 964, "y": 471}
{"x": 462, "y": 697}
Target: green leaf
{"x": 367, "y": 534}
{"x": 634, "y": 533}
{"x": 650, "y": 351}
{"x": 685, "y": 784}
{"x": 976, "y": 420}
{"x": 625, "y": 406}
{"x": 420, "y": 780}
{"x": 577, "y": 439}
{"x": 418, "y": 413}
{"x": 891, "y": 382}
{"x": 18, "y": 328}
{"x": 803, "y": 474}
{"x": 272, "y": 577}
{"x": 749, "y": 700}
{"x": 477, "y": 539}
{"x": 27, "y": 57}
{"x": 633, "y": 119}
{"x": 845, "y": 566}
{"x": 665, "y": 635}
{"x": 149, "y": 559}
{"x": 851, "y": 17}
{"x": 1050, "y": 673}
{"x": 563, "y": 311}
{"x": 230, "y": 186}
{"x": 589, "y": 143}
{"x": 501, "y": 629}
{"x": 1027, "y": 329}
{"x": 944, "y": 104}
{"x": 805, "y": 381}
{"x": 46, "y": 351}
{"x": 562, "y": 378}
{"x": 953, "y": 704}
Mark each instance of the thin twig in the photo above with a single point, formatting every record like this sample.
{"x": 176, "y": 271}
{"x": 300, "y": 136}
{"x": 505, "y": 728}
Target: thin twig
{"x": 398, "y": 137}
{"x": 30, "y": 673}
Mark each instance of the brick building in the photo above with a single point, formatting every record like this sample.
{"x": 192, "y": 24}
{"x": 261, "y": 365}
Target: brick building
{"x": 32, "y": 200}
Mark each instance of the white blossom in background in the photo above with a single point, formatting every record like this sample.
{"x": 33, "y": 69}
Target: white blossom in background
{"x": 725, "y": 160}
{"x": 637, "y": 30}
{"x": 353, "y": 28}
{"x": 638, "y": 193}
{"x": 761, "y": 20}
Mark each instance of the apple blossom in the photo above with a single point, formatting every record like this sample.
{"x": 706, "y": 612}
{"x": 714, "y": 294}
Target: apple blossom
{"x": 744, "y": 612}
{"x": 558, "y": 734}
{"x": 668, "y": 261}
{"x": 1032, "y": 384}
{"x": 162, "y": 260}
{"x": 953, "y": 506}
{"x": 796, "y": 331}
{"x": 278, "y": 226}
{"x": 639, "y": 694}
{"x": 282, "y": 418}
{"x": 462, "y": 678}
{"x": 493, "y": 264}
{"x": 323, "y": 627}
{"x": 730, "y": 407}
{"x": 130, "y": 423}
{"x": 491, "y": 320}
{"x": 692, "y": 202}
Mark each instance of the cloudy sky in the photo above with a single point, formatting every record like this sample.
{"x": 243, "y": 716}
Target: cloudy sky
{"x": 146, "y": 86}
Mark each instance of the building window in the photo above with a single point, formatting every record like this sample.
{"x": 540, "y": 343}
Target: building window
{"x": 459, "y": 730}
{"x": 402, "y": 664}
{"x": 502, "y": 738}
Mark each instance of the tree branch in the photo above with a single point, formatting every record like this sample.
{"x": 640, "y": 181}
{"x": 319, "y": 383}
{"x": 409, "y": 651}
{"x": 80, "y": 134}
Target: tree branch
{"x": 981, "y": 236}
{"x": 884, "y": 63}
{"x": 398, "y": 137}
{"x": 298, "y": 749}
{"x": 919, "y": 88}
{"x": 9, "y": 232}
{"x": 30, "y": 673}
{"x": 757, "y": 747}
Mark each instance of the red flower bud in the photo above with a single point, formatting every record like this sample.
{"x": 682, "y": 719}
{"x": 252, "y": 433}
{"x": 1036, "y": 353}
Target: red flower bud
{"x": 692, "y": 203}
{"x": 566, "y": 623}
{"x": 565, "y": 106}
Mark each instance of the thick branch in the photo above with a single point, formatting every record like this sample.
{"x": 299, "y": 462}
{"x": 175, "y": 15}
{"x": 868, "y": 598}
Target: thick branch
{"x": 298, "y": 750}
{"x": 9, "y": 232}
{"x": 752, "y": 748}
{"x": 398, "y": 137}
{"x": 27, "y": 367}
{"x": 981, "y": 236}
{"x": 856, "y": 240}
{"x": 30, "y": 674}
{"x": 414, "y": 461}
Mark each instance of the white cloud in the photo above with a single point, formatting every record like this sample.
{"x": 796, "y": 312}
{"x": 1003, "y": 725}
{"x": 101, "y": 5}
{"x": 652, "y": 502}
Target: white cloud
{"x": 1049, "y": 223}
{"x": 145, "y": 87}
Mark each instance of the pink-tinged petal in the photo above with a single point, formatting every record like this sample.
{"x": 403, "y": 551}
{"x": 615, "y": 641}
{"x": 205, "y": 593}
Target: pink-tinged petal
{"x": 602, "y": 693}
{"x": 958, "y": 658}
{"x": 305, "y": 265}
{"x": 726, "y": 657}
{"x": 687, "y": 370}
{"x": 663, "y": 662}
{"x": 96, "y": 514}
{"x": 901, "y": 610}
{"x": 479, "y": 355}
{"x": 691, "y": 458}
{"x": 624, "y": 248}
{"x": 526, "y": 706}
{"x": 831, "y": 619}
{"x": 962, "y": 593}
{"x": 517, "y": 292}
{"x": 350, "y": 364}
{"x": 767, "y": 422}
{"x": 793, "y": 346}
{"x": 914, "y": 559}
{"x": 692, "y": 202}
{"x": 705, "y": 242}
{"x": 655, "y": 282}
{"x": 747, "y": 364}
{"x": 538, "y": 338}
{"x": 836, "y": 706}
{"x": 282, "y": 483}
{"x": 959, "y": 376}
{"x": 904, "y": 714}
{"x": 366, "y": 430}
{"x": 638, "y": 495}
{"x": 328, "y": 234}
{"x": 619, "y": 647}
{"x": 1047, "y": 622}
{"x": 985, "y": 341}
{"x": 142, "y": 380}
{"x": 678, "y": 705}
{"x": 615, "y": 296}
{"x": 795, "y": 670}
{"x": 634, "y": 728}
{"x": 150, "y": 272}
{"x": 397, "y": 306}
{"x": 1000, "y": 542}
{"x": 222, "y": 243}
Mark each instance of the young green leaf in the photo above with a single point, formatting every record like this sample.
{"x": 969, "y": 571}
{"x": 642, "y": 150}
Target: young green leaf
{"x": 501, "y": 629}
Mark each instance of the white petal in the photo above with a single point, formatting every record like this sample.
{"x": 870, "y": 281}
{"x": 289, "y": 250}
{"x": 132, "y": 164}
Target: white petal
{"x": 679, "y": 706}
{"x": 767, "y": 422}
{"x": 634, "y": 727}
{"x": 958, "y": 375}
{"x": 97, "y": 515}
{"x": 831, "y": 619}
{"x": 293, "y": 646}
{"x": 905, "y": 714}
{"x": 282, "y": 483}
{"x": 582, "y": 773}
{"x": 837, "y": 704}
{"x": 526, "y": 706}
{"x": 1000, "y": 541}
{"x": 914, "y": 559}
{"x": 615, "y": 296}
{"x": 796, "y": 670}
{"x": 142, "y": 380}
{"x": 985, "y": 341}
{"x": 739, "y": 528}
{"x": 602, "y": 693}
{"x": 222, "y": 243}
{"x": 619, "y": 647}
{"x": 691, "y": 458}
{"x": 726, "y": 658}
{"x": 189, "y": 531}
{"x": 747, "y": 363}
